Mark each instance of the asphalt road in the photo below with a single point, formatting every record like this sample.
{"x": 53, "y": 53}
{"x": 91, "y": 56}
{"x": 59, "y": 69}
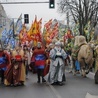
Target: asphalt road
{"x": 75, "y": 87}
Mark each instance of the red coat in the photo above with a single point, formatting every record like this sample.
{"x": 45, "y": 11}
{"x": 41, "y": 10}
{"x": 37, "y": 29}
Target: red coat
{"x": 37, "y": 52}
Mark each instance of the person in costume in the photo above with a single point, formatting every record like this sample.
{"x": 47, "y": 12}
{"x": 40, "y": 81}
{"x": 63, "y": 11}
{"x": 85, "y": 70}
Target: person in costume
{"x": 48, "y": 49}
{"x": 28, "y": 54}
{"x": 57, "y": 56}
{"x": 39, "y": 56}
{"x": 4, "y": 63}
{"x": 25, "y": 48}
{"x": 15, "y": 75}
{"x": 32, "y": 66}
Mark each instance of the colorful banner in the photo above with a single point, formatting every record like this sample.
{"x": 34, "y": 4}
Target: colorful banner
{"x": 18, "y": 25}
{"x": 35, "y": 31}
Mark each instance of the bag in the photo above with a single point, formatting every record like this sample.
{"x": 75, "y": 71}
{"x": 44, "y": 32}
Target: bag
{"x": 18, "y": 58}
{"x": 96, "y": 77}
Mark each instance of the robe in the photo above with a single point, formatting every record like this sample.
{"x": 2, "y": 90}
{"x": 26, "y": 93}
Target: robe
{"x": 57, "y": 65}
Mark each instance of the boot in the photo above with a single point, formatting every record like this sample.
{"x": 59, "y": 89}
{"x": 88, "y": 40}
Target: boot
{"x": 38, "y": 75}
{"x": 38, "y": 79}
{"x": 60, "y": 83}
{"x": 2, "y": 76}
{"x": 43, "y": 80}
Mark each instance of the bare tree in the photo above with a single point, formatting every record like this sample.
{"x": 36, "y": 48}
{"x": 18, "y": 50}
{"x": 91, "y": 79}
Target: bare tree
{"x": 82, "y": 11}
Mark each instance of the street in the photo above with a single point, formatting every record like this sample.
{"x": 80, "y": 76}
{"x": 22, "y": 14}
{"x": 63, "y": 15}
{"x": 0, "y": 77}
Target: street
{"x": 75, "y": 87}
{"x": 48, "y": 34}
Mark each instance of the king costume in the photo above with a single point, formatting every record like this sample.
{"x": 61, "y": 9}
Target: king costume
{"x": 57, "y": 65}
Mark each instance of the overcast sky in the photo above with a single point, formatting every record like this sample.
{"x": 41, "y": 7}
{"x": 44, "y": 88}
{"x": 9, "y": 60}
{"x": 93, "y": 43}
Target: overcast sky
{"x": 41, "y": 10}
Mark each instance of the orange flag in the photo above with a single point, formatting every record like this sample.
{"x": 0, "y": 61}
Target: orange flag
{"x": 47, "y": 33}
{"x": 48, "y": 24}
{"x": 55, "y": 31}
{"x": 23, "y": 34}
{"x": 35, "y": 30}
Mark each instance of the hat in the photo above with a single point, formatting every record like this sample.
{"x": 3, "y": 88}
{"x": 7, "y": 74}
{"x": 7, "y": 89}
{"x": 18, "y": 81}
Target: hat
{"x": 38, "y": 44}
{"x": 50, "y": 44}
{"x": 58, "y": 43}
{"x": 7, "y": 48}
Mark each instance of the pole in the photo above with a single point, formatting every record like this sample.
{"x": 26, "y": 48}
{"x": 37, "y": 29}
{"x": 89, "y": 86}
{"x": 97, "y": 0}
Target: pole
{"x": 23, "y": 2}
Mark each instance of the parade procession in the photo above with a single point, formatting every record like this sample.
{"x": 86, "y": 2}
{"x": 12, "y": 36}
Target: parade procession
{"x": 51, "y": 53}
{"x": 45, "y": 53}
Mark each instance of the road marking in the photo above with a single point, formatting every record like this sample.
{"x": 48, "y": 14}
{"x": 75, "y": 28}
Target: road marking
{"x": 54, "y": 91}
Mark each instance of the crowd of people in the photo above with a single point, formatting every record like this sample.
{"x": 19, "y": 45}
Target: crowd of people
{"x": 48, "y": 62}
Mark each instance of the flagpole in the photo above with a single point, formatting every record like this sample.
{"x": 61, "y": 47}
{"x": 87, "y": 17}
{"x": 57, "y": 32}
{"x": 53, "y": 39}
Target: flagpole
{"x": 13, "y": 29}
